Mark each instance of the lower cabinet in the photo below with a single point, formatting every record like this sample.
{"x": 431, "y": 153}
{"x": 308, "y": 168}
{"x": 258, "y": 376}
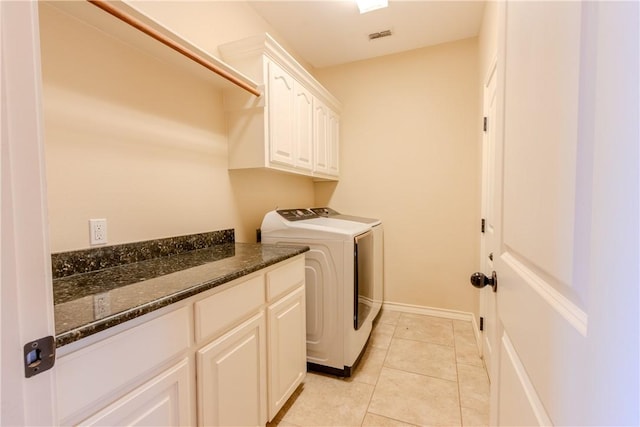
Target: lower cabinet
{"x": 228, "y": 357}
{"x": 232, "y": 377}
{"x": 287, "y": 348}
{"x": 115, "y": 377}
{"x": 163, "y": 401}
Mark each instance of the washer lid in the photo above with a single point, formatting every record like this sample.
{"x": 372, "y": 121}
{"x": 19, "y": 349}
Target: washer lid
{"x": 276, "y": 225}
{"x": 331, "y": 213}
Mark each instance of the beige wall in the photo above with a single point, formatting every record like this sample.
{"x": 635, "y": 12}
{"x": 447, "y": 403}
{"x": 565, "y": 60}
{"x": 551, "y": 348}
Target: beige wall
{"x": 410, "y": 156}
{"x": 208, "y": 24}
{"x": 142, "y": 144}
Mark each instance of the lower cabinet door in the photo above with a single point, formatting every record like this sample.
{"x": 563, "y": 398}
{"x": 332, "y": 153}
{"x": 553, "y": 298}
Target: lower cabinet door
{"x": 287, "y": 348}
{"x": 231, "y": 377}
{"x": 163, "y": 401}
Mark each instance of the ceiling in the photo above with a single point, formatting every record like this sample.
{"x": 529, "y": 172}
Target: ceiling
{"x": 332, "y": 32}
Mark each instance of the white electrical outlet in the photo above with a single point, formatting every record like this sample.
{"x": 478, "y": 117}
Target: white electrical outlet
{"x": 101, "y": 305}
{"x": 98, "y": 231}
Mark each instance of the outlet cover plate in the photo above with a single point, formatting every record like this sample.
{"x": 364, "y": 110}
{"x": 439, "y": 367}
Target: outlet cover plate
{"x": 98, "y": 231}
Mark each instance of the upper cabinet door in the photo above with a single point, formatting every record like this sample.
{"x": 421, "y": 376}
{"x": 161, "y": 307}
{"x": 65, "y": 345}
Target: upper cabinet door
{"x": 280, "y": 115}
{"x": 320, "y": 137}
{"x": 333, "y": 144}
{"x": 326, "y": 138}
{"x": 303, "y": 127}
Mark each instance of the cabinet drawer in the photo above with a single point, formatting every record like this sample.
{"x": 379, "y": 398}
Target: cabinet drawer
{"x": 92, "y": 375}
{"x": 285, "y": 278}
{"x": 220, "y": 311}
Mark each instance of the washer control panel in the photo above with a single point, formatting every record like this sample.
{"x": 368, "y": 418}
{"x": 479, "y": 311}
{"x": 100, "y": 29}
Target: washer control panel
{"x": 324, "y": 211}
{"x": 296, "y": 214}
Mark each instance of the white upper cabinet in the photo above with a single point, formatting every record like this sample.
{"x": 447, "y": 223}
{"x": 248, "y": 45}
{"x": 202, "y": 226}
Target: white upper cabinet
{"x": 282, "y": 129}
{"x": 280, "y": 99}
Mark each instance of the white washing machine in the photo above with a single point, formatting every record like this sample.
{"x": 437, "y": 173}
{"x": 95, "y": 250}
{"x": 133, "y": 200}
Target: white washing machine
{"x": 331, "y": 213}
{"x": 341, "y": 296}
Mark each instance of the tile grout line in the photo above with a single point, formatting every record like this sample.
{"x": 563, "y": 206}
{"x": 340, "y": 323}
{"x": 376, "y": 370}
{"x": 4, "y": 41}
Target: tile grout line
{"x": 459, "y": 350}
{"x": 386, "y": 352}
{"x": 482, "y": 367}
{"x": 395, "y": 326}
{"x": 455, "y": 353}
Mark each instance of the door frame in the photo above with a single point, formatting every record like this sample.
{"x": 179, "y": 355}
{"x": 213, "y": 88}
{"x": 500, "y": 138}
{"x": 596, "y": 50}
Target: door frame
{"x": 26, "y": 306}
{"x": 484, "y": 203}
{"x": 486, "y": 266}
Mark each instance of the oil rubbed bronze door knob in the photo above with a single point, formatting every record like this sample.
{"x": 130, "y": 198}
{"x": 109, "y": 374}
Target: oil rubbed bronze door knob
{"x": 479, "y": 280}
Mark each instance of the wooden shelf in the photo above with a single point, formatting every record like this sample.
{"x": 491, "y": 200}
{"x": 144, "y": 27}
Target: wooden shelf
{"x": 159, "y": 44}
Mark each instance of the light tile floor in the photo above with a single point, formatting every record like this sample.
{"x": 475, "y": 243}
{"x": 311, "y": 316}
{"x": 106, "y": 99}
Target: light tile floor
{"x": 416, "y": 371}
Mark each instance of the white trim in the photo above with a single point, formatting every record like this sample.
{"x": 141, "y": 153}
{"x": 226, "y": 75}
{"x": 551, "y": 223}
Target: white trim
{"x": 532, "y": 397}
{"x": 477, "y": 334}
{"x": 493, "y": 68}
{"x": 264, "y": 44}
{"x": 429, "y": 311}
{"x": 561, "y": 304}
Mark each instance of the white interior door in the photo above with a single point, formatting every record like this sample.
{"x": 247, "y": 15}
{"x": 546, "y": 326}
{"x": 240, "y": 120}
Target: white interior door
{"x": 488, "y": 241}
{"x": 567, "y": 226}
{"x": 26, "y": 304}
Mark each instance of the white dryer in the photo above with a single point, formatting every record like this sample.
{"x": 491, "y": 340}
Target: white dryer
{"x": 340, "y": 261}
{"x": 370, "y": 298}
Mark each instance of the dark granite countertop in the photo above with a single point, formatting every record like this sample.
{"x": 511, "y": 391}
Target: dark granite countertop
{"x": 90, "y": 302}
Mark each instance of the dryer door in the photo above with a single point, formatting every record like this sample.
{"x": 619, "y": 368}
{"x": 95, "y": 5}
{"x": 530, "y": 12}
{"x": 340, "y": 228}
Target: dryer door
{"x": 363, "y": 278}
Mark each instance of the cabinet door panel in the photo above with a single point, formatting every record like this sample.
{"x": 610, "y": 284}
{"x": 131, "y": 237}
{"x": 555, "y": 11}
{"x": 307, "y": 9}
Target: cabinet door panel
{"x": 232, "y": 377}
{"x": 287, "y": 348}
{"x": 320, "y": 137}
{"x": 333, "y": 144}
{"x": 280, "y": 115}
{"x": 163, "y": 401}
{"x": 303, "y": 128}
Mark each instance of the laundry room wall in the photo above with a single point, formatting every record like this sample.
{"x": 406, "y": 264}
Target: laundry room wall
{"x": 410, "y": 152}
{"x": 142, "y": 143}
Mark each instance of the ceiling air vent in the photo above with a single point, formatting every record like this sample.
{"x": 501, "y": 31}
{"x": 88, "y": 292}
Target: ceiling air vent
{"x": 385, "y": 33}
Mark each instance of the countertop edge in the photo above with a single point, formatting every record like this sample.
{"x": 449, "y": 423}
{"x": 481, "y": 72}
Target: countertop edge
{"x": 103, "y": 324}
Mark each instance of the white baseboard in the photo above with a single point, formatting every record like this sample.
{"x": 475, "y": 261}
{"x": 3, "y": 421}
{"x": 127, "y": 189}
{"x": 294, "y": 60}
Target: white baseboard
{"x": 437, "y": 312}
{"x": 428, "y": 311}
